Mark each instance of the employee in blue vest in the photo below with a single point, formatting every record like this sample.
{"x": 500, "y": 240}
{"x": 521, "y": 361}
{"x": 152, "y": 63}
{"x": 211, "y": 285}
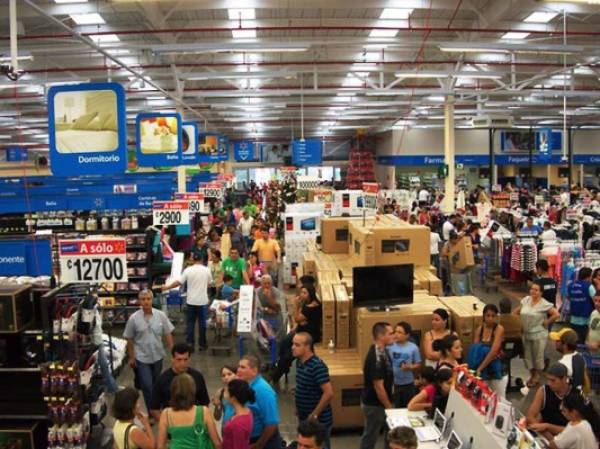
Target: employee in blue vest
{"x": 531, "y": 228}
{"x": 580, "y": 302}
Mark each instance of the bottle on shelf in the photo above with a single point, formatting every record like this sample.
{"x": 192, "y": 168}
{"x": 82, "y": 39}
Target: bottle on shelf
{"x": 331, "y": 347}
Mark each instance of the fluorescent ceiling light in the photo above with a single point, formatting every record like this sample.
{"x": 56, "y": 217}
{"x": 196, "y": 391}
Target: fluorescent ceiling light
{"x": 376, "y": 46}
{"x": 514, "y": 35}
{"x": 70, "y": 1}
{"x": 243, "y": 47}
{"x": 386, "y": 24}
{"x": 395, "y": 13}
{"x": 540, "y": 17}
{"x": 505, "y": 47}
{"x": 156, "y": 98}
{"x": 19, "y": 58}
{"x": 92, "y": 18}
{"x": 244, "y": 34}
{"x": 106, "y": 38}
{"x": 443, "y": 74}
{"x": 241, "y": 14}
{"x": 201, "y": 76}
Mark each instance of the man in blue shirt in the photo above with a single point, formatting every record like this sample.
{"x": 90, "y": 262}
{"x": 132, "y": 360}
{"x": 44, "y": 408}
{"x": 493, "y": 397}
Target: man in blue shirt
{"x": 265, "y": 410}
{"x": 313, "y": 387}
{"x": 580, "y": 303}
{"x": 531, "y": 228}
{"x": 406, "y": 360}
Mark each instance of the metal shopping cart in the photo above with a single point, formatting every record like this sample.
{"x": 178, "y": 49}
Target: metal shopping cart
{"x": 592, "y": 362}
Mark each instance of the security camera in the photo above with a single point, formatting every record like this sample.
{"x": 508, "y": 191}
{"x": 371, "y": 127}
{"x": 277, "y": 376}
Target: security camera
{"x": 10, "y": 72}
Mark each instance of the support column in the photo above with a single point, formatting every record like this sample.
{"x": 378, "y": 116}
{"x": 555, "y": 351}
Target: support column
{"x": 449, "y": 194}
{"x": 14, "y": 53}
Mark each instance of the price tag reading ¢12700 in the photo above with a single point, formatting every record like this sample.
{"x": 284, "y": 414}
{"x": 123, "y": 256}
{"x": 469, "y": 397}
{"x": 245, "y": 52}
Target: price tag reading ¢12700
{"x": 166, "y": 213}
{"x": 92, "y": 260}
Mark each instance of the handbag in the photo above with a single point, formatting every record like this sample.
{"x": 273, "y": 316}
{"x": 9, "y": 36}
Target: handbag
{"x": 126, "y": 438}
{"x": 204, "y": 441}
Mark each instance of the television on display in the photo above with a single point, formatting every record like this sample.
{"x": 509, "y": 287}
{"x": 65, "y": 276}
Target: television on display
{"x": 382, "y": 285}
{"x": 308, "y": 224}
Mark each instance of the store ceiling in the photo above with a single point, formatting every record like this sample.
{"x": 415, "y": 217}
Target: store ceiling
{"x": 260, "y": 71}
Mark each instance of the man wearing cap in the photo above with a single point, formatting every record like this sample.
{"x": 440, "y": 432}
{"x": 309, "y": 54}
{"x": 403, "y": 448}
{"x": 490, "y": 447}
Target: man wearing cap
{"x": 197, "y": 279}
{"x": 566, "y": 344}
{"x": 544, "y": 413}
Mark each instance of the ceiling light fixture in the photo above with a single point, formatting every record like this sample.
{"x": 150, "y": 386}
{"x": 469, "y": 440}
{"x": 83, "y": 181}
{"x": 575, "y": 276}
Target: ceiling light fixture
{"x": 92, "y": 18}
{"x": 383, "y": 32}
{"x": 231, "y": 47}
{"x": 514, "y": 35}
{"x": 70, "y": 1}
{"x": 505, "y": 47}
{"x": 241, "y": 14}
{"x": 443, "y": 74}
{"x": 540, "y": 17}
{"x": 395, "y": 13}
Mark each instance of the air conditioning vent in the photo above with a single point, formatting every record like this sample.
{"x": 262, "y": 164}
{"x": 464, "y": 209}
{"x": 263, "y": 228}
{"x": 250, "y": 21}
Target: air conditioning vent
{"x": 492, "y": 121}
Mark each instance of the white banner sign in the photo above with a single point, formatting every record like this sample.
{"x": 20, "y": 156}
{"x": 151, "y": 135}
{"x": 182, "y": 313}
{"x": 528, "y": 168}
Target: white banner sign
{"x": 92, "y": 260}
{"x": 244, "y": 322}
{"x": 165, "y": 213}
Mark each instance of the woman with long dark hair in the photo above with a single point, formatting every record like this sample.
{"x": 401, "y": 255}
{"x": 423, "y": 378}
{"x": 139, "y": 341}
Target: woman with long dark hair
{"x": 583, "y": 429}
{"x": 450, "y": 349}
{"x": 440, "y": 328}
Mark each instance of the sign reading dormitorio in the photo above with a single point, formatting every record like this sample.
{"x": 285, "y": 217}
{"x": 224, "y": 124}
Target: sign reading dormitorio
{"x": 87, "y": 129}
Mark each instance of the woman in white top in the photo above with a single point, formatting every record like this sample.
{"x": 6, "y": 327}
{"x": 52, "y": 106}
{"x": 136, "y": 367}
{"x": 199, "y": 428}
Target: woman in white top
{"x": 126, "y": 434}
{"x": 583, "y": 429}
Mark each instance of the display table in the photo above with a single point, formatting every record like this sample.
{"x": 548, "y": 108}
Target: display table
{"x": 467, "y": 423}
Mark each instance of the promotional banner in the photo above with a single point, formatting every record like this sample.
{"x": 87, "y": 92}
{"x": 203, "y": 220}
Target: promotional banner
{"x": 245, "y": 151}
{"x": 370, "y": 189}
{"x": 306, "y": 152}
{"x": 189, "y": 150}
{"x": 87, "y": 129}
{"x": 97, "y": 260}
{"x": 548, "y": 141}
{"x": 159, "y": 139}
{"x": 213, "y": 190}
{"x": 211, "y": 147}
{"x": 165, "y": 213}
{"x": 195, "y": 200}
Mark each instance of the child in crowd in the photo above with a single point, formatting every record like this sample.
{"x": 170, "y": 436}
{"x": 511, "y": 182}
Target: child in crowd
{"x": 406, "y": 360}
{"x": 228, "y": 293}
{"x": 402, "y": 438}
{"x": 434, "y": 395}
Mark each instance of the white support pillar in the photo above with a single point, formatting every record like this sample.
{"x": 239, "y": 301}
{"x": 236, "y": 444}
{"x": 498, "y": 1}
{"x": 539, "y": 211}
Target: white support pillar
{"x": 14, "y": 53}
{"x": 449, "y": 194}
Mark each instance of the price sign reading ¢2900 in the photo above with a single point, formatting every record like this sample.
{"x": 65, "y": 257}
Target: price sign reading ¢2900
{"x": 92, "y": 260}
{"x": 170, "y": 213}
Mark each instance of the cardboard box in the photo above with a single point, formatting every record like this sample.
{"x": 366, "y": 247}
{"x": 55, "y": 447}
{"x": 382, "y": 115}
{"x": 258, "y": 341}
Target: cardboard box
{"x": 388, "y": 242}
{"x": 334, "y": 235}
{"x": 346, "y": 375}
{"x": 343, "y": 312}
{"x": 418, "y": 315}
{"x": 461, "y": 254}
{"x": 302, "y": 223}
{"x": 512, "y": 326}
{"x": 310, "y": 263}
{"x": 466, "y": 315}
{"x": 329, "y": 314}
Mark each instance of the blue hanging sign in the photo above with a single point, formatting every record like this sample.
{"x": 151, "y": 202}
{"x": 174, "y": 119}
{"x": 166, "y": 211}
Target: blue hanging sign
{"x": 209, "y": 147}
{"x": 87, "y": 129}
{"x": 16, "y": 154}
{"x": 543, "y": 140}
{"x": 245, "y": 151}
{"x": 189, "y": 154}
{"x": 586, "y": 159}
{"x": 223, "y": 147}
{"x": 306, "y": 152}
{"x": 158, "y": 139}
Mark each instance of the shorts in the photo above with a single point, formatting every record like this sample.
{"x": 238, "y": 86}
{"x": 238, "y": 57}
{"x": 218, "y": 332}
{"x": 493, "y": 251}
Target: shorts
{"x": 533, "y": 353}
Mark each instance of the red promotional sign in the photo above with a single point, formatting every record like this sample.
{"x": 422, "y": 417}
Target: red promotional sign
{"x": 92, "y": 260}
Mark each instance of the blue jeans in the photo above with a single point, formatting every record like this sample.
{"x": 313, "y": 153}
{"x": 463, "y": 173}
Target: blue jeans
{"x": 194, "y": 313}
{"x": 109, "y": 380}
{"x": 147, "y": 374}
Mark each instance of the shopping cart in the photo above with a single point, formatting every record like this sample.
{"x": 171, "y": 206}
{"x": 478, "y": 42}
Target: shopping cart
{"x": 592, "y": 362}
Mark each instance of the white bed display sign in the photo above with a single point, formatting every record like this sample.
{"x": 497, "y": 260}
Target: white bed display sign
{"x": 159, "y": 139}
{"x": 195, "y": 200}
{"x": 87, "y": 129}
{"x": 92, "y": 260}
{"x": 165, "y": 213}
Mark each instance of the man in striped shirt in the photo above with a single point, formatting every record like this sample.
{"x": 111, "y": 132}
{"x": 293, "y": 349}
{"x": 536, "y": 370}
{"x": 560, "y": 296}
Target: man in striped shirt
{"x": 313, "y": 387}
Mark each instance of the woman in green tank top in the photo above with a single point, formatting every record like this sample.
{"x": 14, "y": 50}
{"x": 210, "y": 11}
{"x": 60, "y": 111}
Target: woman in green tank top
{"x": 183, "y": 424}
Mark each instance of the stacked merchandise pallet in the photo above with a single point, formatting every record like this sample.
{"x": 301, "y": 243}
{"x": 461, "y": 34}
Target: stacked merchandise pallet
{"x": 360, "y": 169}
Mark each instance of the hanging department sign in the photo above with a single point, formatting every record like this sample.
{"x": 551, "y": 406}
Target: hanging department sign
{"x": 195, "y": 200}
{"x": 159, "y": 139}
{"x": 165, "y": 213}
{"x": 13, "y": 261}
{"x": 87, "y": 129}
{"x": 245, "y": 151}
{"x": 92, "y": 260}
{"x": 189, "y": 145}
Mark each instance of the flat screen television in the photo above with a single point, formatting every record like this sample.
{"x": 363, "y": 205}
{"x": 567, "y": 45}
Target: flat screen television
{"x": 382, "y": 285}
